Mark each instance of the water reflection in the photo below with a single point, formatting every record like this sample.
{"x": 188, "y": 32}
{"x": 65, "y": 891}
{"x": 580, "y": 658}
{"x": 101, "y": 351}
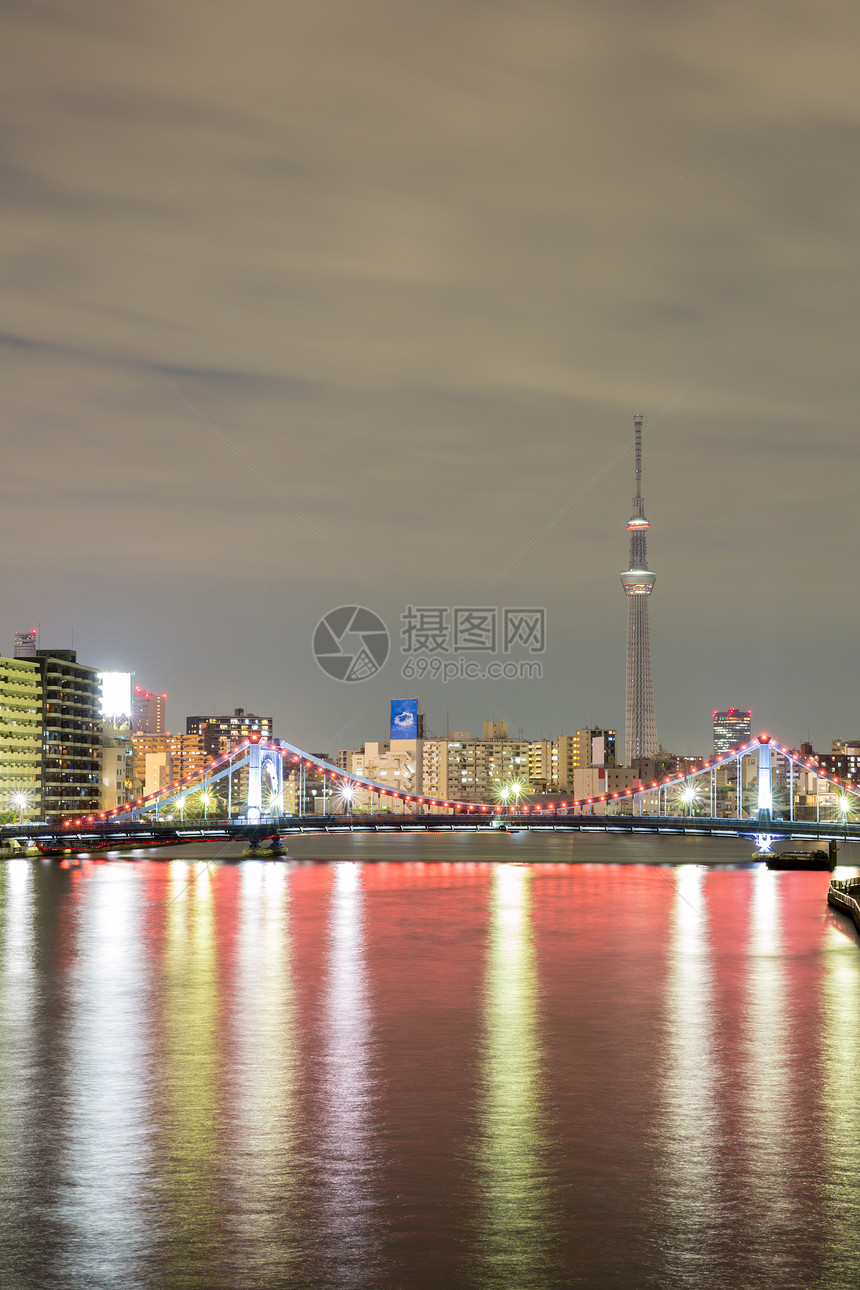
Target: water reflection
{"x": 689, "y": 1085}
{"x": 21, "y": 1151}
{"x": 840, "y": 1062}
{"x": 265, "y": 1065}
{"x": 767, "y": 1095}
{"x": 334, "y": 1076}
{"x": 191, "y": 1070}
{"x": 515, "y": 1187}
{"x": 107, "y": 1126}
{"x": 348, "y": 1248}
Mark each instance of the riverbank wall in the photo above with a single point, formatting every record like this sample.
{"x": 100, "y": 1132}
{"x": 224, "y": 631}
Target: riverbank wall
{"x": 844, "y": 895}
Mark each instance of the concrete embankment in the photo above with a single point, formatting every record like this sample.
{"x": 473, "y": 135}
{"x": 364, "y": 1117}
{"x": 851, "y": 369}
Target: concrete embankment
{"x": 844, "y": 895}
{"x": 13, "y": 852}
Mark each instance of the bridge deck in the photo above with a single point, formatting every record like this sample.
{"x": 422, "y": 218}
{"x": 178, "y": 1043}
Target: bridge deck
{"x": 100, "y": 834}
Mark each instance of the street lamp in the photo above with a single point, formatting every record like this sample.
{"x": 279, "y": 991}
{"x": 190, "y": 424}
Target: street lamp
{"x": 688, "y": 797}
{"x": 516, "y": 789}
{"x": 20, "y": 800}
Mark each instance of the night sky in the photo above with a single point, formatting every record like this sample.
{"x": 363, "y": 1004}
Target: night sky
{"x": 419, "y": 264}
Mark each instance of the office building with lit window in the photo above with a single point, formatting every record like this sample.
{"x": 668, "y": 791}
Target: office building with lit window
{"x": 220, "y": 734}
{"x": 731, "y": 729}
{"x": 71, "y": 735}
{"x": 148, "y": 712}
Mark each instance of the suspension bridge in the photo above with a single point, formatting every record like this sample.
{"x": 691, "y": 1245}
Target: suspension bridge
{"x": 761, "y": 790}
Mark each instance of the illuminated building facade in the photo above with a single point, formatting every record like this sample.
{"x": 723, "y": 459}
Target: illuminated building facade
{"x": 638, "y": 583}
{"x": 117, "y": 698}
{"x": 71, "y": 735}
{"x": 21, "y": 737}
{"x": 731, "y": 729}
{"x": 473, "y": 770}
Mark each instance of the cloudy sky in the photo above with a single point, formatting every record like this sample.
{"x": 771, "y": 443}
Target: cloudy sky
{"x": 312, "y": 304}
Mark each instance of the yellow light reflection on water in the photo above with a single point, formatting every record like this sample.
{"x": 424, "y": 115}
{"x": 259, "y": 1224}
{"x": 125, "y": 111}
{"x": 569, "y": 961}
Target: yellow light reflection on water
{"x": 191, "y": 1073}
{"x": 515, "y": 1187}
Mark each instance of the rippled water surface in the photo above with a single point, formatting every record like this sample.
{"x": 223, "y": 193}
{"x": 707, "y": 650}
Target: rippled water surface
{"x": 427, "y": 1068}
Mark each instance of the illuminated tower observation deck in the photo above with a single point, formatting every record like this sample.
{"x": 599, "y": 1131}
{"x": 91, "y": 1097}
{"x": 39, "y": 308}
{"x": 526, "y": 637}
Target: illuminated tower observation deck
{"x": 638, "y": 582}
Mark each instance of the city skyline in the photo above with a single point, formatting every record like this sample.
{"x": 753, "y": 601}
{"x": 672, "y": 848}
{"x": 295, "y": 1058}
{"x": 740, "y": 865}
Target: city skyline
{"x": 427, "y": 333}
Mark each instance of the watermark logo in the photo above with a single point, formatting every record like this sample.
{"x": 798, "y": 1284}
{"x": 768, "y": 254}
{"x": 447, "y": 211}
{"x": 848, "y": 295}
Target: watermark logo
{"x": 454, "y": 643}
{"x": 351, "y": 643}
{"x": 437, "y": 642}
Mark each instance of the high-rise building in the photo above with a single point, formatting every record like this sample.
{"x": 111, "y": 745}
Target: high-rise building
{"x": 71, "y": 735}
{"x": 223, "y": 733}
{"x": 731, "y": 729}
{"x": 554, "y": 762}
{"x": 473, "y": 770}
{"x": 21, "y": 737}
{"x": 638, "y": 582}
{"x": 594, "y": 746}
{"x": 26, "y": 643}
{"x": 182, "y": 755}
{"x": 148, "y": 712}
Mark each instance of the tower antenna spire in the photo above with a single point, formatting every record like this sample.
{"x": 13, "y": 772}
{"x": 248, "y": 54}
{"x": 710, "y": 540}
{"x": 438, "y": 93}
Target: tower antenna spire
{"x": 638, "y": 583}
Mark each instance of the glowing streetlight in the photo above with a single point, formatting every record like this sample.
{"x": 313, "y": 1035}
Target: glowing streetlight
{"x": 845, "y": 807}
{"x": 346, "y": 793}
{"x": 688, "y": 797}
{"x": 21, "y": 800}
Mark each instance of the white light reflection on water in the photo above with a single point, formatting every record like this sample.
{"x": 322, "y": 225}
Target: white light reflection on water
{"x": 516, "y": 1199}
{"x": 348, "y": 1202}
{"x": 689, "y": 1086}
{"x": 20, "y": 1099}
{"x": 107, "y": 1119}
{"x": 265, "y": 1070}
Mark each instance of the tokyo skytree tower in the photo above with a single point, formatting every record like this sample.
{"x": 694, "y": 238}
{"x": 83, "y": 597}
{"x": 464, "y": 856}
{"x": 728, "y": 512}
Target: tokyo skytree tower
{"x": 638, "y": 582}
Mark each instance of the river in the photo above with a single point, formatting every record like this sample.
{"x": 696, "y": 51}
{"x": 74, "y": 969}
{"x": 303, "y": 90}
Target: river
{"x": 450, "y": 1061}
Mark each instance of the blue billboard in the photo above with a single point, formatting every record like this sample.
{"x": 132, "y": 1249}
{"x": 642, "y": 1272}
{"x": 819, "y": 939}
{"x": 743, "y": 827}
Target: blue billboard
{"x": 404, "y": 719}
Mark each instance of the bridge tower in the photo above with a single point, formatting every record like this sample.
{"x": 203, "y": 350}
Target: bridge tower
{"x": 265, "y": 778}
{"x": 638, "y": 583}
{"x": 765, "y": 779}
